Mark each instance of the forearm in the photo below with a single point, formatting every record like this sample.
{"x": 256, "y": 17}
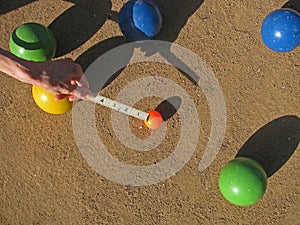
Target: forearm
{"x": 15, "y": 67}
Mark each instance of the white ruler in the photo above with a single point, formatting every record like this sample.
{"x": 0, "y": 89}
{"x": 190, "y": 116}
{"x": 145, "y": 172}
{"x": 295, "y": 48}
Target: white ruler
{"x": 117, "y": 106}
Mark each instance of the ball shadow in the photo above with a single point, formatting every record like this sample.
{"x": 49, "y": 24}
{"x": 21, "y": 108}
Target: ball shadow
{"x": 79, "y": 23}
{"x": 7, "y": 6}
{"x": 273, "y": 144}
{"x": 169, "y": 107}
{"x": 175, "y": 14}
{"x": 89, "y": 56}
{"x": 292, "y": 4}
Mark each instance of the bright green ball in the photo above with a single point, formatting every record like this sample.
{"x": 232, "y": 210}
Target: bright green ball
{"x": 243, "y": 181}
{"x": 34, "y": 42}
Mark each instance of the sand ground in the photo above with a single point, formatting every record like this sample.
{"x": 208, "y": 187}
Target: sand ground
{"x": 44, "y": 179}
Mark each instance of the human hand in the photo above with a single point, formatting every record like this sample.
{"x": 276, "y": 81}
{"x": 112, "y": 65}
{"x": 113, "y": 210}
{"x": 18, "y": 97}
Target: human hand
{"x": 63, "y": 77}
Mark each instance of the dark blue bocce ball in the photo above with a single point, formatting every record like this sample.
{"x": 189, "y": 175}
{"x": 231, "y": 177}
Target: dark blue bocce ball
{"x": 280, "y": 30}
{"x": 140, "y": 20}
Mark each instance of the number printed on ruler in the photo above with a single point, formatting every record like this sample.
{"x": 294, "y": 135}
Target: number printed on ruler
{"x": 120, "y": 107}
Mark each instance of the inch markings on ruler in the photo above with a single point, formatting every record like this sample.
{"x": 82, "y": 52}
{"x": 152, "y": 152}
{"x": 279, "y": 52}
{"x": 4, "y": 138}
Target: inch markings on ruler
{"x": 117, "y": 106}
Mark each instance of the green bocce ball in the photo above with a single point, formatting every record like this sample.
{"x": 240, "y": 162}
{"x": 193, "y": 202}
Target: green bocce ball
{"x": 34, "y": 42}
{"x": 242, "y": 181}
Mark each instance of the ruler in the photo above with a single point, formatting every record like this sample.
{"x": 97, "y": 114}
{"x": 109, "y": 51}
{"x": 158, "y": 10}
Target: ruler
{"x": 117, "y": 106}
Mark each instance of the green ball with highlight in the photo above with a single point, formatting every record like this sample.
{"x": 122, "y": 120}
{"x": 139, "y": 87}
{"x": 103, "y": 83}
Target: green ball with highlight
{"x": 243, "y": 181}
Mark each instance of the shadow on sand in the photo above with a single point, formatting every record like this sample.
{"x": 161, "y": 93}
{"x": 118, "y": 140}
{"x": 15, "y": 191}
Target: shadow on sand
{"x": 273, "y": 144}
